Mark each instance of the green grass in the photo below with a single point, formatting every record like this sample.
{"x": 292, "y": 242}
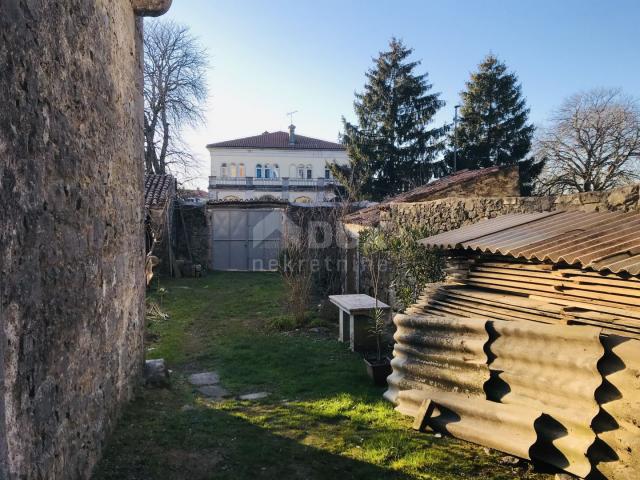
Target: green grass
{"x": 323, "y": 420}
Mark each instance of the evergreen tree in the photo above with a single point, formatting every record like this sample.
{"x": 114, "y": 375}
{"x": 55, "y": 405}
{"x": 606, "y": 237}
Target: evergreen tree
{"x": 494, "y": 128}
{"x": 391, "y": 148}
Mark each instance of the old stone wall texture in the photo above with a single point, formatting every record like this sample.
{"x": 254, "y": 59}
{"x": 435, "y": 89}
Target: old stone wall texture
{"x": 454, "y": 212}
{"x": 71, "y": 236}
{"x": 504, "y": 182}
{"x": 193, "y": 234}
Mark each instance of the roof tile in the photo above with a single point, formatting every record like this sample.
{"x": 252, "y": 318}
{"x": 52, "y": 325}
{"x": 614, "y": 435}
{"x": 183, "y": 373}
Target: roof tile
{"x": 278, "y": 140}
{"x": 158, "y": 189}
{"x": 371, "y": 216}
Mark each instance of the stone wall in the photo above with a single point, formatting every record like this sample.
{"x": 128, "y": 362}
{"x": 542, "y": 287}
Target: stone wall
{"x": 193, "y": 233}
{"x": 71, "y": 242}
{"x": 503, "y": 182}
{"x": 454, "y": 212}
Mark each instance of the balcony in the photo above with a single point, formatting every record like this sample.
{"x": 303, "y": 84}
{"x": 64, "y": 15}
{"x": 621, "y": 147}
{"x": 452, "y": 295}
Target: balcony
{"x": 284, "y": 183}
{"x": 232, "y": 181}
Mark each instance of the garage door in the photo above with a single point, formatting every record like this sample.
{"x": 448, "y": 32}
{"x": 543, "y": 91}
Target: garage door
{"x": 246, "y": 239}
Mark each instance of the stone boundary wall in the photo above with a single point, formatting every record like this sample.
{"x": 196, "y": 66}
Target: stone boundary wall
{"x": 71, "y": 238}
{"x": 193, "y": 233}
{"x": 454, "y": 212}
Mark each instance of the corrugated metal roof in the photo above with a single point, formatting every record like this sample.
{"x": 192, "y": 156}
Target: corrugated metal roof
{"x": 597, "y": 240}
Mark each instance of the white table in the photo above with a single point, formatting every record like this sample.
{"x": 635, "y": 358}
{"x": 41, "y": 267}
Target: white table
{"x": 356, "y": 314}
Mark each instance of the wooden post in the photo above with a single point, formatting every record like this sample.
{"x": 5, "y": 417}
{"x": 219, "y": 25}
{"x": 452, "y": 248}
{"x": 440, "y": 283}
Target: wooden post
{"x": 424, "y": 414}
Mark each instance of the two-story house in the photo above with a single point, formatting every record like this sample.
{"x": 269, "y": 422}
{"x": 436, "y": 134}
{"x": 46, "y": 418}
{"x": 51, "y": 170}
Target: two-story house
{"x": 277, "y": 165}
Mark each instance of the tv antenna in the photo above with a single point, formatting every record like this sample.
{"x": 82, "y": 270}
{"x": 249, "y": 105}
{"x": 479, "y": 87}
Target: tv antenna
{"x": 291, "y": 116}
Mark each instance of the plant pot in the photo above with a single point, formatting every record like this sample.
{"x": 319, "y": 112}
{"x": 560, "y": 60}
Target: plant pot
{"x": 378, "y": 370}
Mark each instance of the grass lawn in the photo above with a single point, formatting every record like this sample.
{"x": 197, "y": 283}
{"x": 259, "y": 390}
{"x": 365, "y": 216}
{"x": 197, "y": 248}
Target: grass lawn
{"x": 324, "y": 419}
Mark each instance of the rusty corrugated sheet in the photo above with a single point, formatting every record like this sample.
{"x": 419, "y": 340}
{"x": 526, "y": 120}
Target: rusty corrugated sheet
{"x": 454, "y": 238}
{"x": 551, "y": 369}
{"x": 619, "y": 425}
{"x": 598, "y": 240}
{"x": 442, "y": 353}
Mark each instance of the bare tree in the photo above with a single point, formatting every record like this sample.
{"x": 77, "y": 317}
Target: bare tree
{"x": 175, "y": 92}
{"x": 593, "y": 143}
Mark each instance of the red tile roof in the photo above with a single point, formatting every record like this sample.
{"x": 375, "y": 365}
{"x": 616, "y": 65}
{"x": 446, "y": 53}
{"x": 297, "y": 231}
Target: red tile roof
{"x": 278, "y": 140}
{"x": 158, "y": 189}
{"x": 186, "y": 193}
{"x": 370, "y": 216}
{"x": 423, "y": 192}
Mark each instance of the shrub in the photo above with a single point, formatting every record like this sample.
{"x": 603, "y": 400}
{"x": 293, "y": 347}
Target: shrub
{"x": 407, "y": 265}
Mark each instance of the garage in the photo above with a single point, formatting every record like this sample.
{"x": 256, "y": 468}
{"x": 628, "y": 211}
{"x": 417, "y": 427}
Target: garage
{"x": 245, "y": 236}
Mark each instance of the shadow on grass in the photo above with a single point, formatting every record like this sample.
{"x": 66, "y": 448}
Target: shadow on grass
{"x": 207, "y": 443}
{"x": 323, "y": 420}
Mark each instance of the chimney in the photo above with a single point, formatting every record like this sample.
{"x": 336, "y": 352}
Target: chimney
{"x": 292, "y": 134}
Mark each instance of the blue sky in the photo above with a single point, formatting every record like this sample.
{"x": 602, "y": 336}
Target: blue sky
{"x": 271, "y": 57}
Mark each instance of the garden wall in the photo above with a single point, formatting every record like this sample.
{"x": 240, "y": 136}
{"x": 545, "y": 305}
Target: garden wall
{"x": 454, "y": 212}
{"x": 193, "y": 233}
{"x": 71, "y": 242}
{"x": 449, "y": 213}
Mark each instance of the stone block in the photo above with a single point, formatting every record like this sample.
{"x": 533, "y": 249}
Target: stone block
{"x": 214, "y": 392}
{"x": 254, "y": 396}
{"x": 205, "y": 378}
{"x": 156, "y": 374}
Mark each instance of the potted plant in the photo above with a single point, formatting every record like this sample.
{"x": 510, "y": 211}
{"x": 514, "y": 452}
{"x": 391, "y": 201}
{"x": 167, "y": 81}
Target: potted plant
{"x": 378, "y": 366}
{"x": 374, "y": 249}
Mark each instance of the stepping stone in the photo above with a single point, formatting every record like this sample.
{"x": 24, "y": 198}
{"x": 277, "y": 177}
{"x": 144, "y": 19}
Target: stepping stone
{"x": 254, "y": 396}
{"x": 205, "y": 378}
{"x": 156, "y": 374}
{"x": 214, "y": 392}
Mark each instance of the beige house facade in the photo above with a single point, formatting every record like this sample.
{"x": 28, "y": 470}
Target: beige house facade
{"x": 274, "y": 166}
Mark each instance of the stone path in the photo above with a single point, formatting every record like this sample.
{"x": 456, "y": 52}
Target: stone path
{"x": 254, "y": 396}
{"x": 205, "y": 378}
{"x": 208, "y": 384}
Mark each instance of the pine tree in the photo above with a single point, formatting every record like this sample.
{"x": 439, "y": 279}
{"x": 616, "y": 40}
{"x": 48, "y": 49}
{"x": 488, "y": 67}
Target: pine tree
{"x": 494, "y": 128}
{"x": 391, "y": 148}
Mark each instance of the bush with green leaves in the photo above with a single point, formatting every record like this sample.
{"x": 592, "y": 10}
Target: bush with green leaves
{"x": 407, "y": 266}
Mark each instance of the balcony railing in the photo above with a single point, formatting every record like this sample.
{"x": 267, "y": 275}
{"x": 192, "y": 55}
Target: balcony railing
{"x": 278, "y": 183}
{"x": 240, "y": 181}
{"x": 258, "y": 182}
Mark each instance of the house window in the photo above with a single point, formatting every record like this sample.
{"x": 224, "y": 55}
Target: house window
{"x": 327, "y": 172}
{"x": 258, "y": 171}
{"x": 267, "y": 171}
{"x": 233, "y": 170}
{"x": 223, "y": 170}
{"x": 303, "y": 199}
{"x": 241, "y": 170}
{"x": 300, "y": 171}
{"x": 309, "y": 171}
